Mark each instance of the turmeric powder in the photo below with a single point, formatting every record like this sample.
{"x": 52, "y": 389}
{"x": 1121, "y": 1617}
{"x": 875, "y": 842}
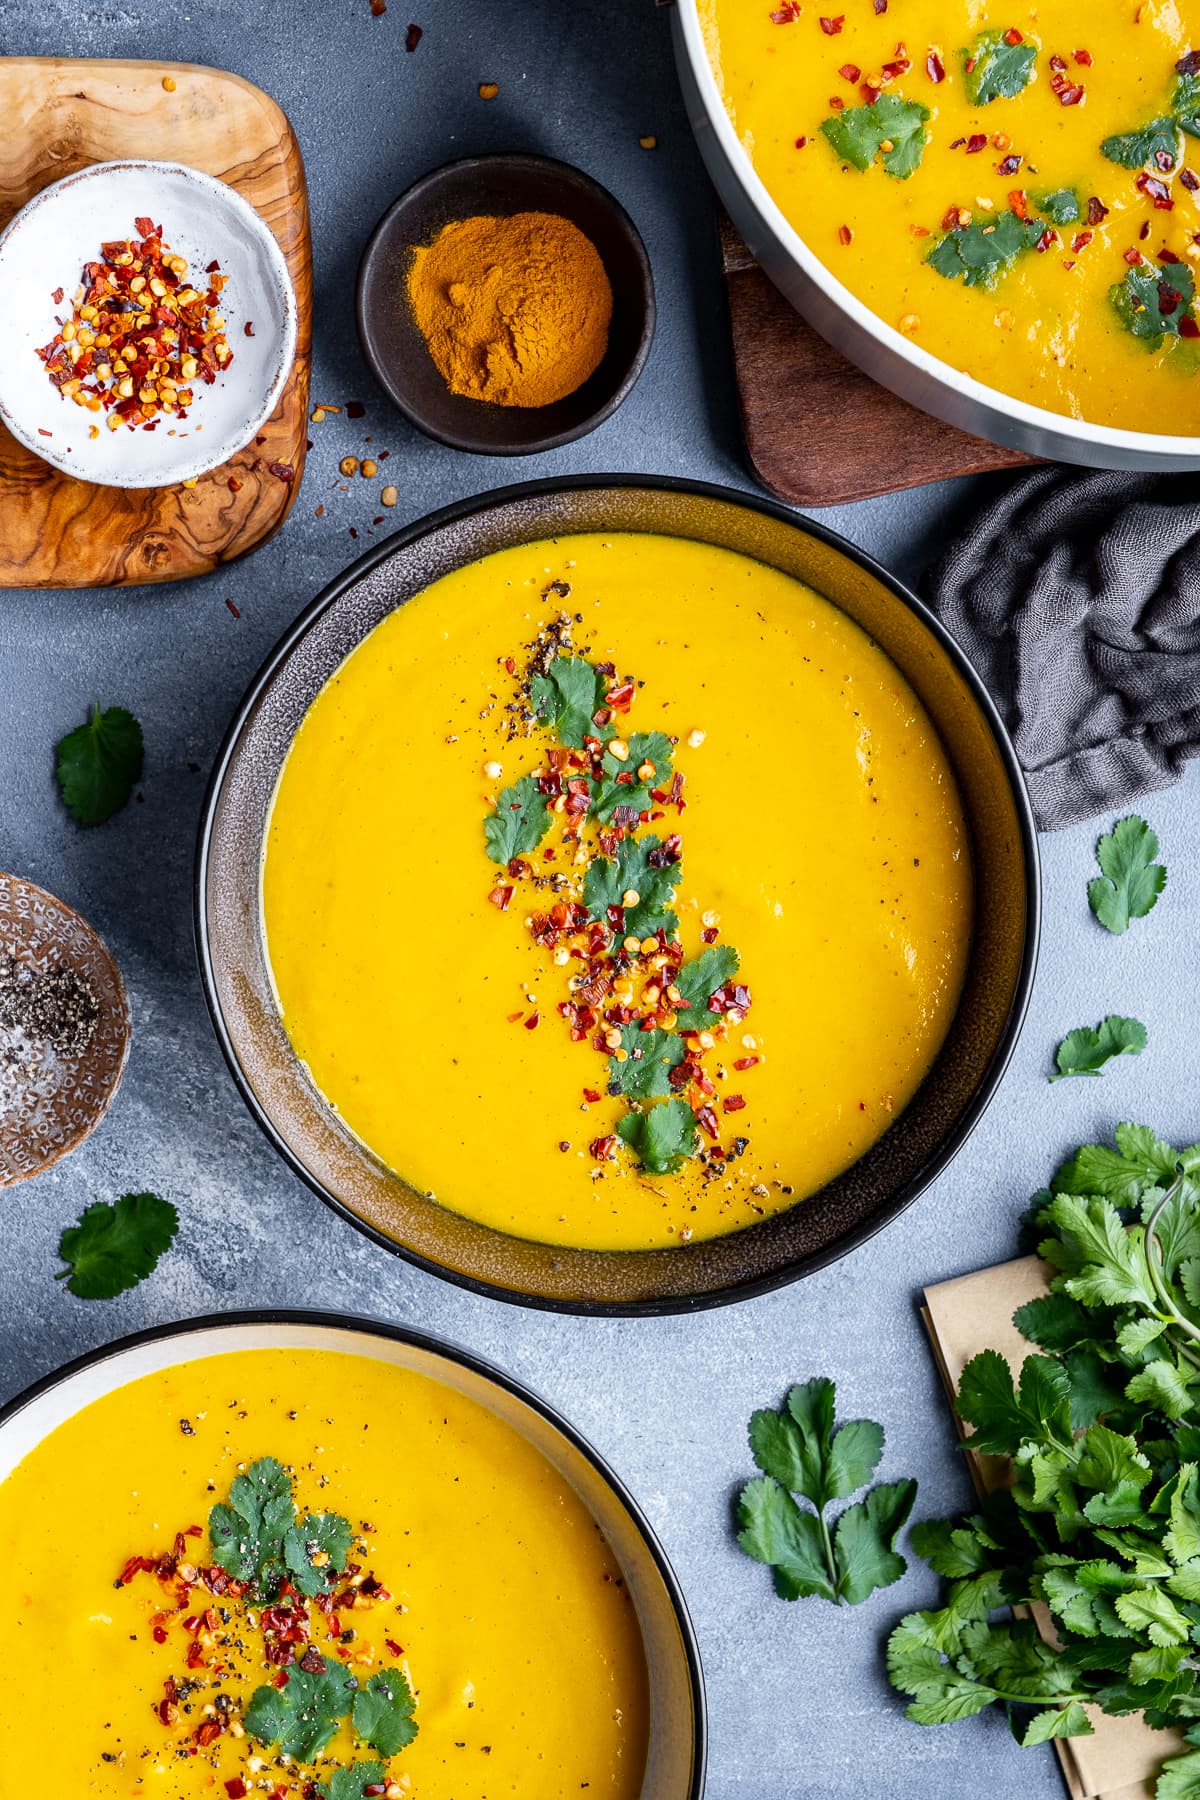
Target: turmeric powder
{"x": 514, "y": 310}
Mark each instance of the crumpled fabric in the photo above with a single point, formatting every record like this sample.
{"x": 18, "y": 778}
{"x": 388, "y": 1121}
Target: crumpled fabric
{"x": 1077, "y": 598}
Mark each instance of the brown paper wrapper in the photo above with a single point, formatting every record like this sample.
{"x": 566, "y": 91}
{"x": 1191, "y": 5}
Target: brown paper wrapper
{"x": 1122, "y": 1759}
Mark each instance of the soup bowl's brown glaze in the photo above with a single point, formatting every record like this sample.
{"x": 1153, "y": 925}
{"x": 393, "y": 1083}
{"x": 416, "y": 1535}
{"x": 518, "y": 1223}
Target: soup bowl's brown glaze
{"x": 309, "y": 1134}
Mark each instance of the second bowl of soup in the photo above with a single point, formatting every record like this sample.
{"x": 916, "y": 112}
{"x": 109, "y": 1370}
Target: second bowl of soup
{"x": 636, "y": 893}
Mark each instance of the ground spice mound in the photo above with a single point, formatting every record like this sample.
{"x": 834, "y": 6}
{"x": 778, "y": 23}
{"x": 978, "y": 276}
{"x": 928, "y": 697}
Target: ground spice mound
{"x": 514, "y": 310}
{"x": 54, "y": 1007}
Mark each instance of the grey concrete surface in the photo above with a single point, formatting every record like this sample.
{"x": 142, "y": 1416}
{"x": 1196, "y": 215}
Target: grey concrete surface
{"x": 800, "y": 1708}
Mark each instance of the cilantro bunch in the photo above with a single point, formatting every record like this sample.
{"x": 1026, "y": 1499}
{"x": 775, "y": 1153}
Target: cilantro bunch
{"x": 1101, "y": 1525}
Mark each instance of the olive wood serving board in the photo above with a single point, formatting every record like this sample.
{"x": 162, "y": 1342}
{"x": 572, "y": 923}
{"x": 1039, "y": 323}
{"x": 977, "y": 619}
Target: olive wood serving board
{"x": 61, "y": 114}
{"x": 818, "y": 431}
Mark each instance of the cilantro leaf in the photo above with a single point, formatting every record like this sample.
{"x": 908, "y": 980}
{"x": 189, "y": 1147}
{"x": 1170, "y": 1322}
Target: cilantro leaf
{"x": 1133, "y": 878}
{"x": 352, "y": 1783}
{"x": 383, "y": 1713}
{"x": 950, "y": 1550}
{"x": 981, "y": 253}
{"x": 301, "y": 1718}
{"x": 865, "y": 1537}
{"x": 890, "y": 124}
{"x": 567, "y": 697}
{"x": 98, "y": 764}
{"x": 1058, "y": 1722}
{"x": 802, "y": 1451}
{"x": 836, "y": 1462}
{"x": 248, "y": 1531}
{"x": 1004, "y": 1416}
{"x": 609, "y": 879}
{"x": 1140, "y": 1160}
{"x": 1141, "y": 149}
{"x": 1186, "y": 104}
{"x": 645, "y": 1074}
{"x": 113, "y": 1247}
{"x": 662, "y": 1137}
{"x": 997, "y": 70}
{"x": 1084, "y": 1051}
{"x": 775, "y": 1530}
{"x": 1153, "y": 300}
{"x": 317, "y": 1535}
{"x": 609, "y": 793}
{"x": 940, "y": 1692}
{"x": 1062, "y": 206}
{"x": 698, "y": 980}
{"x": 519, "y": 823}
{"x": 1179, "y": 1778}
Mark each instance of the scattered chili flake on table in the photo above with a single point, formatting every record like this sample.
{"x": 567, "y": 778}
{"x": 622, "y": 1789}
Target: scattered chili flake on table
{"x": 488, "y": 90}
{"x": 140, "y": 333}
{"x": 412, "y": 38}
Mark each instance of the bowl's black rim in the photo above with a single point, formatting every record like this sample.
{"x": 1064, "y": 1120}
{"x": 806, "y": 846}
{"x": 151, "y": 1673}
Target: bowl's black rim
{"x": 477, "y": 1365}
{"x": 884, "y": 1215}
{"x": 550, "y": 440}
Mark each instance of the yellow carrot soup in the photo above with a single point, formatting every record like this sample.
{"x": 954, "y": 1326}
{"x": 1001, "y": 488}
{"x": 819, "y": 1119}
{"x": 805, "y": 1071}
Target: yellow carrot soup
{"x": 468, "y": 1578}
{"x": 1016, "y": 191}
{"x": 485, "y": 921}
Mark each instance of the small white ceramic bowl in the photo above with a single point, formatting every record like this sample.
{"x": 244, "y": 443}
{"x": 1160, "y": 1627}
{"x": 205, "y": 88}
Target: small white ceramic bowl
{"x": 45, "y": 247}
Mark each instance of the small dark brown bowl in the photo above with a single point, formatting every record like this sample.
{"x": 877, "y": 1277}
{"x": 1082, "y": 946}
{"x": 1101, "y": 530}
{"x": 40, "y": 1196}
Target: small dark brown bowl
{"x": 398, "y": 354}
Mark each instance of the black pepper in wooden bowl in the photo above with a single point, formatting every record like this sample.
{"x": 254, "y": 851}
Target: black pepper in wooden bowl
{"x": 51, "y": 1007}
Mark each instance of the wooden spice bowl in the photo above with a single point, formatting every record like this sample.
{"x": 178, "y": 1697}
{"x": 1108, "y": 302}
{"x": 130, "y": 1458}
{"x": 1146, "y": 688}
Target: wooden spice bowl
{"x": 48, "y": 1111}
{"x": 500, "y": 186}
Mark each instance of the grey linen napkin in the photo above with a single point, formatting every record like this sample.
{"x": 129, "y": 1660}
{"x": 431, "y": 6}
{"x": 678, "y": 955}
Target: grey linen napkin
{"x": 1077, "y": 598}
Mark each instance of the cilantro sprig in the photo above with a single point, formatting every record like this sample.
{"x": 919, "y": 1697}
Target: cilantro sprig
{"x": 889, "y": 125}
{"x": 567, "y": 697}
{"x": 801, "y": 1451}
{"x": 1132, "y": 877}
{"x": 978, "y": 254}
{"x": 519, "y": 823}
{"x": 994, "y": 68}
{"x": 99, "y": 763}
{"x": 258, "y": 1537}
{"x": 1085, "y": 1050}
{"x": 114, "y": 1246}
{"x": 661, "y": 1137}
{"x": 1101, "y": 1524}
{"x": 300, "y": 1719}
{"x": 633, "y": 869}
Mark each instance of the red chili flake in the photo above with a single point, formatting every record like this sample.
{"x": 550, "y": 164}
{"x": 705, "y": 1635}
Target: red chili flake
{"x": 1164, "y": 161}
{"x": 212, "y": 267}
{"x": 603, "y": 1148}
{"x": 1081, "y": 240}
{"x": 233, "y": 609}
{"x": 1189, "y": 180}
{"x": 1083, "y": 58}
{"x": 591, "y": 1096}
{"x": 881, "y": 6}
{"x": 934, "y": 67}
{"x": 1168, "y": 298}
{"x": 1009, "y": 166}
{"x": 284, "y": 471}
{"x": 355, "y": 410}
{"x": 234, "y": 485}
{"x": 801, "y": 142}
{"x": 1189, "y": 64}
{"x": 845, "y": 235}
{"x": 1018, "y": 203}
{"x": 42, "y": 432}
{"x": 1047, "y": 238}
{"x": 1189, "y": 327}
{"x": 620, "y": 698}
{"x": 976, "y": 142}
{"x": 787, "y": 14}
{"x": 236, "y": 1788}
{"x": 1144, "y": 233}
{"x": 159, "y": 1634}
{"x": 837, "y": 103}
{"x": 1056, "y": 62}
{"x": 1069, "y": 92}
{"x": 533, "y": 1021}
{"x": 891, "y": 71}
{"x": 1133, "y": 257}
{"x": 1155, "y": 190}
{"x": 412, "y": 38}
{"x": 502, "y": 897}
{"x": 733, "y": 1102}
{"x": 831, "y": 27}
{"x": 1013, "y": 36}
{"x": 745, "y": 1062}
{"x": 378, "y": 8}
{"x": 1097, "y": 211}
{"x": 957, "y": 143}
{"x": 710, "y": 934}
{"x": 248, "y": 328}
{"x": 850, "y": 72}
{"x": 706, "y": 1119}
{"x": 1169, "y": 256}
{"x": 57, "y": 296}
